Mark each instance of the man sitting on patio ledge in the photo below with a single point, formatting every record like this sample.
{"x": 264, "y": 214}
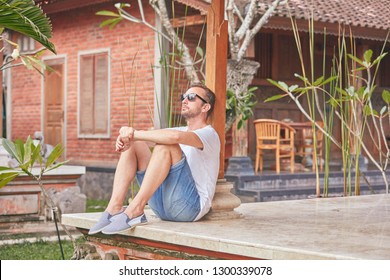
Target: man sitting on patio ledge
{"x": 177, "y": 179}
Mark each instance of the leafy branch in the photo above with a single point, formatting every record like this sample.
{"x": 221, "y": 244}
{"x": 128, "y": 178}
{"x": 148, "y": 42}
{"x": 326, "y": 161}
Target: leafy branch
{"x": 26, "y": 18}
{"x": 28, "y": 155}
{"x": 239, "y": 106}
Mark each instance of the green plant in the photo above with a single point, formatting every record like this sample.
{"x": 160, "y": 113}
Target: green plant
{"x": 345, "y": 96}
{"x": 25, "y": 17}
{"x": 27, "y": 155}
{"x": 30, "y": 162}
{"x": 239, "y": 107}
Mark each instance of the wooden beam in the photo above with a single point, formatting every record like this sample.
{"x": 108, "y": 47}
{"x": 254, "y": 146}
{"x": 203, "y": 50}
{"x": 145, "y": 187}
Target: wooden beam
{"x": 216, "y": 69}
{"x": 188, "y": 21}
{"x": 60, "y": 6}
{"x": 200, "y": 5}
{"x": 281, "y": 23}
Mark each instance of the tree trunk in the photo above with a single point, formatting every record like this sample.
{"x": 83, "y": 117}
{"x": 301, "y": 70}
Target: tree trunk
{"x": 240, "y": 74}
{"x": 240, "y": 140}
{"x": 239, "y": 77}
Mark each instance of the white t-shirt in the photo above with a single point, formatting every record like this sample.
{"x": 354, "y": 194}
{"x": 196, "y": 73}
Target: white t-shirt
{"x": 204, "y": 165}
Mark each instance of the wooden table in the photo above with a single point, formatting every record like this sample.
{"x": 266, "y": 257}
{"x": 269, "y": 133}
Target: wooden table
{"x": 304, "y": 146}
{"x": 299, "y": 127}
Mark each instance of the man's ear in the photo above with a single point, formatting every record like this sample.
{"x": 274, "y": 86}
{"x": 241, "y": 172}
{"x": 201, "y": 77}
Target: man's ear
{"x": 206, "y": 107}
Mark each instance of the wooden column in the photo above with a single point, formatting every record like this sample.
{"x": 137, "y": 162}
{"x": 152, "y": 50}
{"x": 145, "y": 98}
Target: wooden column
{"x": 224, "y": 202}
{"x": 216, "y": 69}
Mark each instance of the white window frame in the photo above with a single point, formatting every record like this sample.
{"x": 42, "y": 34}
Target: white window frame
{"x": 26, "y": 44}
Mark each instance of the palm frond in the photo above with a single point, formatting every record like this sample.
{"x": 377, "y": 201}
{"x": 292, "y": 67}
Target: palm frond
{"x": 26, "y": 18}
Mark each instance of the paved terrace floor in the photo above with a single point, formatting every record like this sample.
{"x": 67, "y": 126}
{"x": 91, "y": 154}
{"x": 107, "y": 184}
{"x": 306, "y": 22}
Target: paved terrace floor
{"x": 320, "y": 228}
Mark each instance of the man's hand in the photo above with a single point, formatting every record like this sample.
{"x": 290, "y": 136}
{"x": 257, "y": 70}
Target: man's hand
{"x": 125, "y": 138}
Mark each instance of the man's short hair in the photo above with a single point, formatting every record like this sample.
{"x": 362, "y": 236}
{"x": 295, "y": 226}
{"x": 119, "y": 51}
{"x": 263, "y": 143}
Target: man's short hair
{"x": 210, "y": 96}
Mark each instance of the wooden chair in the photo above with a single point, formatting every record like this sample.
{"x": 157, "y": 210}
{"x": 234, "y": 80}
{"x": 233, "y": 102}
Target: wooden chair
{"x": 310, "y": 146}
{"x": 274, "y": 135}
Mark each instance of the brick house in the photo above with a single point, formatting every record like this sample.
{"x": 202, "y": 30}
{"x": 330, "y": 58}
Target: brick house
{"x": 88, "y": 98}
{"x": 84, "y": 102}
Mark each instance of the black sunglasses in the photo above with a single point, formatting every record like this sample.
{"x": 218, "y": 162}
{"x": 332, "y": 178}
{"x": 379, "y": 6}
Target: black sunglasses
{"x": 191, "y": 97}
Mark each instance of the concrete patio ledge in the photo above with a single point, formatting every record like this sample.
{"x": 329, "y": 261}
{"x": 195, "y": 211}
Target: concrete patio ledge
{"x": 321, "y": 228}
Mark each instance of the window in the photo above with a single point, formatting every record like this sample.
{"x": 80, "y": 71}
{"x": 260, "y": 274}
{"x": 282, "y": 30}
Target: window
{"x": 278, "y": 56}
{"x": 94, "y": 103}
{"x": 26, "y": 44}
{"x": 263, "y": 54}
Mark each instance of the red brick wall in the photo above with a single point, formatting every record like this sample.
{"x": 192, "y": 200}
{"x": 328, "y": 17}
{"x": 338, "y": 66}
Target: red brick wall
{"x": 26, "y": 102}
{"x": 79, "y": 30}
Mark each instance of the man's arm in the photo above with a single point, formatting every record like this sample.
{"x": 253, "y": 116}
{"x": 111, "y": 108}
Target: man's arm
{"x": 161, "y": 136}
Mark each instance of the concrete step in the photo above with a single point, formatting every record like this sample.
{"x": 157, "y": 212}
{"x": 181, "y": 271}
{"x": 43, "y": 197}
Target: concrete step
{"x": 32, "y": 231}
{"x": 20, "y": 219}
{"x": 303, "y": 192}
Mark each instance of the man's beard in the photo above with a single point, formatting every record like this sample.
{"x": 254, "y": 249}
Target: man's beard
{"x": 187, "y": 115}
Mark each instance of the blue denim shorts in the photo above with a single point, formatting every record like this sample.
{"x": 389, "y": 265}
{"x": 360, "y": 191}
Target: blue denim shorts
{"x": 177, "y": 198}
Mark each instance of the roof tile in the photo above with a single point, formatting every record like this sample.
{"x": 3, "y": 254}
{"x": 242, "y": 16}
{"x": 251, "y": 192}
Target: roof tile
{"x": 363, "y": 13}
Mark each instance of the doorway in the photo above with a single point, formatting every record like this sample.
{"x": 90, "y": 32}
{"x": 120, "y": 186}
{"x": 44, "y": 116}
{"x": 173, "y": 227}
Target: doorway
{"x": 53, "y": 111}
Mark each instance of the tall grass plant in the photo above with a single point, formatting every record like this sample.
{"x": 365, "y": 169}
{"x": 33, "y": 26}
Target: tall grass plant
{"x": 345, "y": 96}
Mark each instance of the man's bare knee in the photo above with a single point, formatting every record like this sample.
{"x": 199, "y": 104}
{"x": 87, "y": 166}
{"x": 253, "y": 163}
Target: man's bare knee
{"x": 140, "y": 146}
{"x": 139, "y": 151}
{"x": 172, "y": 151}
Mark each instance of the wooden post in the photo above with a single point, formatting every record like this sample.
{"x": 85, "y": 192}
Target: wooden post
{"x": 224, "y": 202}
{"x": 216, "y": 69}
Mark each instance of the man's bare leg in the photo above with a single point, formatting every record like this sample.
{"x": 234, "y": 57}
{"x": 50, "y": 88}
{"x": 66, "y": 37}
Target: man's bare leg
{"x": 163, "y": 157}
{"x": 137, "y": 157}
{"x": 157, "y": 167}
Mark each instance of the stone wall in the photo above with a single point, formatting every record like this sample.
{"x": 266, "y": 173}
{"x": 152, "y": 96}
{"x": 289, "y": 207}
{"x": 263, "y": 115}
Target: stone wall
{"x": 97, "y": 183}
